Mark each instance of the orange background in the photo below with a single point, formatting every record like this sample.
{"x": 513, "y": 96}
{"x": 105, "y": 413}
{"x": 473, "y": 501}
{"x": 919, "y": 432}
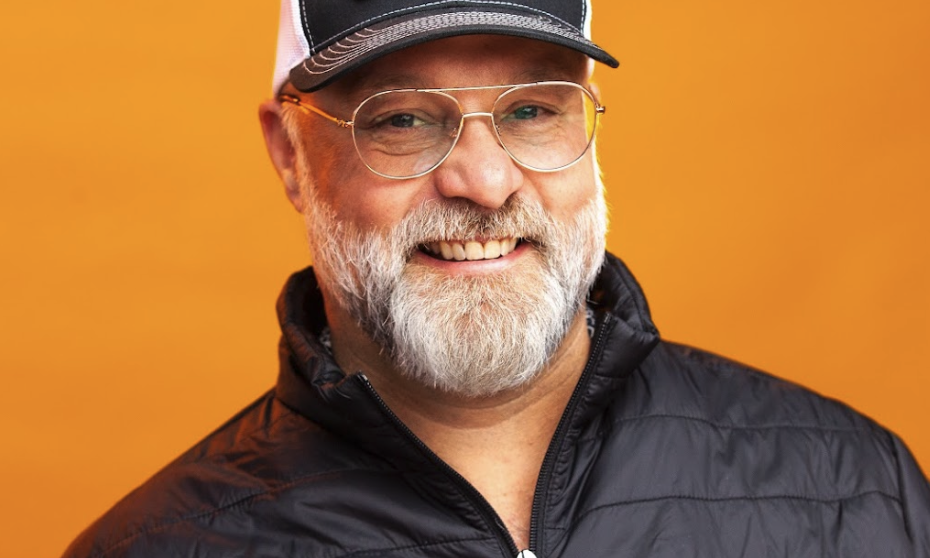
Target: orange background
{"x": 768, "y": 164}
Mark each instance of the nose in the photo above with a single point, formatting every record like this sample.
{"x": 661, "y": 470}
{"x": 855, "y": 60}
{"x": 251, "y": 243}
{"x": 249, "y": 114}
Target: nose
{"x": 478, "y": 169}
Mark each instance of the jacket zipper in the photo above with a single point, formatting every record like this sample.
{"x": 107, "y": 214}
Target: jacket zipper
{"x": 484, "y": 507}
{"x": 542, "y": 483}
{"x": 545, "y": 471}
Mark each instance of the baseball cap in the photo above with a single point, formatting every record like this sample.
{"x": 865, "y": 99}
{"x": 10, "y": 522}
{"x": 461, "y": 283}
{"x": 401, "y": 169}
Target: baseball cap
{"x": 321, "y": 40}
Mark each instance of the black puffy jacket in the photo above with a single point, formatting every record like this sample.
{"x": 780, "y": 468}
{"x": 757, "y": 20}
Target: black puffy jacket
{"x": 663, "y": 451}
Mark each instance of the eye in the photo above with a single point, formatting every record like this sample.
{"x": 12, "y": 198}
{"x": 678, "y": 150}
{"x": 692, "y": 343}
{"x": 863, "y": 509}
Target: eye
{"x": 397, "y": 120}
{"x": 525, "y": 112}
{"x": 405, "y": 121}
{"x": 528, "y": 111}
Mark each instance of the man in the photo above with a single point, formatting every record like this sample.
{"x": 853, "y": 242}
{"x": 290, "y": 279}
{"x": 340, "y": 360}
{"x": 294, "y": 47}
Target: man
{"x": 463, "y": 371}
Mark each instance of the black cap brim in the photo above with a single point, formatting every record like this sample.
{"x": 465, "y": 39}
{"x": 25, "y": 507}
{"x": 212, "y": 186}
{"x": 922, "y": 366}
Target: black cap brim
{"x": 394, "y": 34}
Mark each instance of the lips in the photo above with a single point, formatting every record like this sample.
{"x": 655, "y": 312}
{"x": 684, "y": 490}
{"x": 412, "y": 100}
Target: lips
{"x": 471, "y": 250}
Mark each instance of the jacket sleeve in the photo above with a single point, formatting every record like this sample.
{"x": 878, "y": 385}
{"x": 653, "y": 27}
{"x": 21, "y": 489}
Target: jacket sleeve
{"x": 915, "y": 496}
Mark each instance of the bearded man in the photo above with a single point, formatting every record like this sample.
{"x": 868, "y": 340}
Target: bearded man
{"x": 464, "y": 372}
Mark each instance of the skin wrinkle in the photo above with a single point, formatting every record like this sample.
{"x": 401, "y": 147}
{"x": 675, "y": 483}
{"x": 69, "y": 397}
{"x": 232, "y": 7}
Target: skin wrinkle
{"x": 360, "y": 85}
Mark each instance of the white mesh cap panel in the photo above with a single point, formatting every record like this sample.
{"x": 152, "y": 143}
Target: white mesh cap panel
{"x": 292, "y": 44}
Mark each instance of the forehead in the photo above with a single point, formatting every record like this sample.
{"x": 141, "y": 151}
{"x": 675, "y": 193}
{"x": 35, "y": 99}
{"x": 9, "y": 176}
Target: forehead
{"x": 462, "y": 62}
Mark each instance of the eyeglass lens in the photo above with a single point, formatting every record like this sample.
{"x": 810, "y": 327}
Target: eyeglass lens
{"x": 544, "y": 127}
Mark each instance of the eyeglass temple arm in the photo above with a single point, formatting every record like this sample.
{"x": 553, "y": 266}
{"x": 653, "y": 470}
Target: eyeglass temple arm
{"x": 310, "y": 108}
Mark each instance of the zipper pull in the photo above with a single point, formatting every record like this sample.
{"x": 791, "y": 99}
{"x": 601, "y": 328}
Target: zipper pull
{"x": 526, "y": 554}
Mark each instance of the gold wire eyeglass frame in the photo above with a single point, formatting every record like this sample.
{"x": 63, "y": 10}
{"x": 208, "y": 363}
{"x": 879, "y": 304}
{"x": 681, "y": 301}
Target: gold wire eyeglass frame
{"x": 598, "y": 110}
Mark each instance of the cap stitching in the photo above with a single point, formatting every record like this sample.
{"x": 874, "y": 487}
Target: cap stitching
{"x": 363, "y": 36}
{"x": 345, "y": 49}
{"x": 440, "y": 2}
{"x": 303, "y": 16}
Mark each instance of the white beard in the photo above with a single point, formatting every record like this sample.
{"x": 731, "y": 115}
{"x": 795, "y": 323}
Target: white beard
{"x": 474, "y": 336}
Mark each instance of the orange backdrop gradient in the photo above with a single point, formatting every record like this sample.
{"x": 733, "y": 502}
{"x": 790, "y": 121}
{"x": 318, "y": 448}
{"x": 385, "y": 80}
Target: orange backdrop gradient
{"x": 768, "y": 167}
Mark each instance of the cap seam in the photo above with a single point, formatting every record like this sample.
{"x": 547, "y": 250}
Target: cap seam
{"x": 359, "y": 26}
{"x": 584, "y": 15}
{"x": 306, "y": 22}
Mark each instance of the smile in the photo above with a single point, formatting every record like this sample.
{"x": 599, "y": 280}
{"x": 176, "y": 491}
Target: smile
{"x": 471, "y": 250}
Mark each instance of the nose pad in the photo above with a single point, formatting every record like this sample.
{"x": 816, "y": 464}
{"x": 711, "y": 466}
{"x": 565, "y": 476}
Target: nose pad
{"x": 478, "y": 168}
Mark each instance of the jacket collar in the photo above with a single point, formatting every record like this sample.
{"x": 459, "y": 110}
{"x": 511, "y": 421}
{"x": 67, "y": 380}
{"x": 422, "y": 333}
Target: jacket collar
{"x": 311, "y": 383}
{"x": 623, "y": 338}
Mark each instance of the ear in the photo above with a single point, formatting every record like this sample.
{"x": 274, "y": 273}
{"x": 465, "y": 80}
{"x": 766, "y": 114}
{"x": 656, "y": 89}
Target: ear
{"x": 281, "y": 150}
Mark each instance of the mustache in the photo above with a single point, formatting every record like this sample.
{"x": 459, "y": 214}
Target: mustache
{"x": 459, "y": 219}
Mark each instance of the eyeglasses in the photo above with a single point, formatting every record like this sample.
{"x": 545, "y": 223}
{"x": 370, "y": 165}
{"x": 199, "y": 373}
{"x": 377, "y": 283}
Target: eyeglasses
{"x": 406, "y": 133}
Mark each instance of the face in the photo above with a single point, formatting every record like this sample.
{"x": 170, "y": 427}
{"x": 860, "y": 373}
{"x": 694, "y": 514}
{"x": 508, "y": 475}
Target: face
{"x": 470, "y": 276}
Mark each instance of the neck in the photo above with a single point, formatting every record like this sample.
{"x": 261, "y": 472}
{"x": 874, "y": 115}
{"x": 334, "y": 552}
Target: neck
{"x": 497, "y": 443}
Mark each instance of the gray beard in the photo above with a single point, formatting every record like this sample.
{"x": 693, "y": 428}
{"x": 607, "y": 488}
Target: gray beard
{"x": 473, "y": 336}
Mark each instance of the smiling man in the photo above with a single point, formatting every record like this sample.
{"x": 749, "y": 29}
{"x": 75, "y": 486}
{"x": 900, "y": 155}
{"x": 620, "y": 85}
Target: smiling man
{"x": 464, "y": 371}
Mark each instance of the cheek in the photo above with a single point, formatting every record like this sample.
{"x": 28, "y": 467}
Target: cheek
{"x": 331, "y": 158}
{"x": 353, "y": 192}
{"x": 335, "y": 171}
{"x": 565, "y": 193}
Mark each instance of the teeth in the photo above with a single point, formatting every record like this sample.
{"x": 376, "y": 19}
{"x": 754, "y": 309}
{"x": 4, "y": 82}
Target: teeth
{"x": 472, "y": 250}
{"x": 445, "y": 250}
{"x": 492, "y": 249}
